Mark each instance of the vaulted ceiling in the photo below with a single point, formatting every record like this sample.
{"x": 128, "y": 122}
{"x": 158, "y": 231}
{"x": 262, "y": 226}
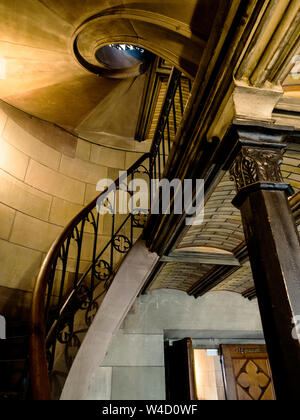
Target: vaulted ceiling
{"x": 48, "y": 65}
{"x": 220, "y": 234}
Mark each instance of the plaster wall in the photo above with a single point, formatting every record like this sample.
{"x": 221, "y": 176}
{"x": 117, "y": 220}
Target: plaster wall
{"x": 133, "y": 367}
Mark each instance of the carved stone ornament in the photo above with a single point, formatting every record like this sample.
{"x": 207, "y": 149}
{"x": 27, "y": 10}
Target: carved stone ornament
{"x": 254, "y": 165}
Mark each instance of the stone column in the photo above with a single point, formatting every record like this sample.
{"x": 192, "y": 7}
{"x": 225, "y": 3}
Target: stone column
{"x": 273, "y": 246}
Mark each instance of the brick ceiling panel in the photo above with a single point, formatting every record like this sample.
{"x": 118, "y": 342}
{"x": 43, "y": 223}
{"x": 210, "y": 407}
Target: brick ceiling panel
{"x": 222, "y": 228}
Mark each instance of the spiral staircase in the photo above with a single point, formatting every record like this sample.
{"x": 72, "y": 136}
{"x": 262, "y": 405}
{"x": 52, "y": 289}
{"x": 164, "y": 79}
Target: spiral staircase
{"x": 70, "y": 306}
{"x": 37, "y": 356}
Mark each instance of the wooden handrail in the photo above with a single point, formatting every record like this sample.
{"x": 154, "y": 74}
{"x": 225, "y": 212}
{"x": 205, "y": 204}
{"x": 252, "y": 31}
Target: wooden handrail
{"x": 38, "y": 361}
{"x": 157, "y": 158}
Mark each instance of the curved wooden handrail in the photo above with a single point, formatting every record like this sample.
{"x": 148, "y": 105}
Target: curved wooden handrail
{"x": 157, "y": 157}
{"x": 38, "y": 362}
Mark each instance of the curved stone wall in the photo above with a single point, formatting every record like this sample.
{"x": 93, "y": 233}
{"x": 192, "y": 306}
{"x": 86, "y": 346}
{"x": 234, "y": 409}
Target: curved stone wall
{"x": 46, "y": 177}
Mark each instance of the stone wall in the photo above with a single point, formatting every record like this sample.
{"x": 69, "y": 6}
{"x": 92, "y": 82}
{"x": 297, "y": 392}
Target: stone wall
{"x": 133, "y": 368}
{"x": 46, "y": 176}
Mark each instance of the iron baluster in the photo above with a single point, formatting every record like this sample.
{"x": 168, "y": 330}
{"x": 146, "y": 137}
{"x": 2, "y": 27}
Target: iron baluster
{"x": 169, "y": 138}
{"x": 49, "y": 292}
{"x": 64, "y": 258}
{"x": 95, "y": 224}
{"x": 159, "y": 162}
{"x": 113, "y": 231}
{"x": 78, "y": 237}
{"x": 51, "y": 356}
{"x": 174, "y": 116}
{"x": 163, "y": 148}
{"x": 132, "y": 212}
{"x": 181, "y": 97}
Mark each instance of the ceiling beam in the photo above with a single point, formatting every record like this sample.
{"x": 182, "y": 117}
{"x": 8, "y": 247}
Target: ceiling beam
{"x": 218, "y": 273}
{"x": 201, "y": 258}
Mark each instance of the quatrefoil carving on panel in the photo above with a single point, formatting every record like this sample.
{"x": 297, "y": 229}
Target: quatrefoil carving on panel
{"x": 253, "y": 380}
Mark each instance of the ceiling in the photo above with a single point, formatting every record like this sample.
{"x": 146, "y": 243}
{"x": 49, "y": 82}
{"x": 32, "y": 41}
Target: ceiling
{"x": 221, "y": 231}
{"x": 47, "y": 56}
{"x": 48, "y": 69}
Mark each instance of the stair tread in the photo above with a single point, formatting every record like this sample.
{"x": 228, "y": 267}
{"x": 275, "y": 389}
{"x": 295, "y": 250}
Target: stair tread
{"x": 11, "y": 395}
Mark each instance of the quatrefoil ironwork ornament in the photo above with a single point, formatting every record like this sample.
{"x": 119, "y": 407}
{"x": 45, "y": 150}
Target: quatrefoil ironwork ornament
{"x": 121, "y": 243}
{"x": 103, "y": 270}
{"x": 139, "y": 220}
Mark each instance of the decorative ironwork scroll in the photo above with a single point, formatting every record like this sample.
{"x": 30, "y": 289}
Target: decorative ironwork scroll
{"x": 79, "y": 267}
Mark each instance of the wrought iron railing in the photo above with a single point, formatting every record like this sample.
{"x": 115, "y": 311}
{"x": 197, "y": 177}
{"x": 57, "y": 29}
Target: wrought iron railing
{"x": 76, "y": 274}
{"x": 80, "y": 265}
{"x": 169, "y": 121}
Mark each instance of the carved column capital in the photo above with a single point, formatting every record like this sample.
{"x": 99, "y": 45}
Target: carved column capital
{"x": 254, "y": 157}
{"x": 256, "y": 165}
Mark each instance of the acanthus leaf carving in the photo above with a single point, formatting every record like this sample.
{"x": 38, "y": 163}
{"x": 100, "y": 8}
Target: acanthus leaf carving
{"x": 254, "y": 164}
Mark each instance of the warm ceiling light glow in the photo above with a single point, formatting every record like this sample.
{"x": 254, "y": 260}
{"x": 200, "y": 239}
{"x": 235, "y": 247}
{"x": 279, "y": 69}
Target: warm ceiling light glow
{"x": 204, "y": 249}
{"x": 2, "y": 68}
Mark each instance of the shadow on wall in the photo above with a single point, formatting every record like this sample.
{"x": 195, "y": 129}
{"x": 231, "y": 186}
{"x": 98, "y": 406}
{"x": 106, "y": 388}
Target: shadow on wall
{"x": 15, "y": 303}
{"x": 167, "y": 309}
{"x": 207, "y": 8}
{"x": 45, "y": 131}
{"x": 117, "y": 113}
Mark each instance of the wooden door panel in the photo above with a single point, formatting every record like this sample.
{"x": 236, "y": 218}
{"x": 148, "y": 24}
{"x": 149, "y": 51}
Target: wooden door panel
{"x": 180, "y": 375}
{"x": 247, "y": 373}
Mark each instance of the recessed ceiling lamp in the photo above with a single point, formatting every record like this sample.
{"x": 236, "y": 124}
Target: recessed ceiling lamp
{"x": 123, "y": 57}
